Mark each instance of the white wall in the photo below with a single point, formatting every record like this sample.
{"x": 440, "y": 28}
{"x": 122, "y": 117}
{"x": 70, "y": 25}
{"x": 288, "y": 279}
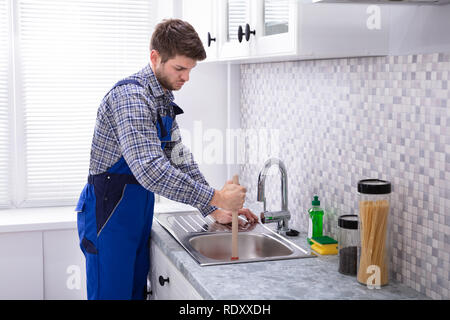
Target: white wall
{"x": 204, "y": 102}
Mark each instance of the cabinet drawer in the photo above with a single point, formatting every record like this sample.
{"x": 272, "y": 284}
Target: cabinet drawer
{"x": 177, "y": 287}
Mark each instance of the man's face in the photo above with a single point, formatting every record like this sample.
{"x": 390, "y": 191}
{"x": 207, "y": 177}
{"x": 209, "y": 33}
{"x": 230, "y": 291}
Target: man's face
{"x": 173, "y": 73}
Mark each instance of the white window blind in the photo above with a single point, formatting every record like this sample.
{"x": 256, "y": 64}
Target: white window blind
{"x": 276, "y": 16}
{"x": 71, "y": 53}
{"x": 237, "y": 16}
{"x": 4, "y": 106}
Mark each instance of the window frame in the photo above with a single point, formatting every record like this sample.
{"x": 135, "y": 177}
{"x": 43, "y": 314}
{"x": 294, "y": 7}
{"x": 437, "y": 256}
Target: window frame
{"x": 17, "y": 180}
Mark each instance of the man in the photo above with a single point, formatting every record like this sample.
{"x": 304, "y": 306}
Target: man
{"x": 137, "y": 152}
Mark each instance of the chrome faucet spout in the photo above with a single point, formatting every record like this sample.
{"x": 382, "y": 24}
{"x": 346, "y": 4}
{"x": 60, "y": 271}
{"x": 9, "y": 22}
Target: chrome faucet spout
{"x": 281, "y": 217}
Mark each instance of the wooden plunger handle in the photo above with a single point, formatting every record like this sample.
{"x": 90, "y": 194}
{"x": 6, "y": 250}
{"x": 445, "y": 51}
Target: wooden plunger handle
{"x": 234, "y": 228}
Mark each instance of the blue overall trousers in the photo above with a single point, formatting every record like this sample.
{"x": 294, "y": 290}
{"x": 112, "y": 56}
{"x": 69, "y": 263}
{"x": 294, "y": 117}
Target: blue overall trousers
{"x": 114, "y": 217}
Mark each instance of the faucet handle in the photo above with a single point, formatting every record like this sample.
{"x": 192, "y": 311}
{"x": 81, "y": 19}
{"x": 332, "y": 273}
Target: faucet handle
{"x": 274, "y": 216}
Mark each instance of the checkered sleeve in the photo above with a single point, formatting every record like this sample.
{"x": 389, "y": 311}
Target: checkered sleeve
{"x": 181, "y": 157}
{"x": 141, "y": 148}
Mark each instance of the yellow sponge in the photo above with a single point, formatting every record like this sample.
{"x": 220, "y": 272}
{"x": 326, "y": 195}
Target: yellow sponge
{"x": 324, "y": 245}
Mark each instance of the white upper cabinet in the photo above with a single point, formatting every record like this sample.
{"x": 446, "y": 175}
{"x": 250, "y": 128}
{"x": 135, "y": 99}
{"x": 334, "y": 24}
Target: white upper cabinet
{"x": 274, "y": 30}
{"x": 233, "y": 15}
{"x": 342, "y": 30}
{"x": 202, "y": 14}
{"x": 275, "y": 27}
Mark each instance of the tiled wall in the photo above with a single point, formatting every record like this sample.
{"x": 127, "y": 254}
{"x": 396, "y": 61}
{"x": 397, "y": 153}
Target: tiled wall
{"x": 342, "y": 120}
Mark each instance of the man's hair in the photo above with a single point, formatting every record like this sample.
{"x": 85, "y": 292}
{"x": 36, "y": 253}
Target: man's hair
{"x": 177, "y": 37}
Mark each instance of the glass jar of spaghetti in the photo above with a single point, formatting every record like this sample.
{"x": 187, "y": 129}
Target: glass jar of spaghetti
{"x": 374, "y": 229}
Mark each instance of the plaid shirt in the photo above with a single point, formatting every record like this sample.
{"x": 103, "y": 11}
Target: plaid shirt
{"x": 126, "y": 126}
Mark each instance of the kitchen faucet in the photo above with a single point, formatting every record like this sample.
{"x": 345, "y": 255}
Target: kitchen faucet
{"x": 281, "y": 217}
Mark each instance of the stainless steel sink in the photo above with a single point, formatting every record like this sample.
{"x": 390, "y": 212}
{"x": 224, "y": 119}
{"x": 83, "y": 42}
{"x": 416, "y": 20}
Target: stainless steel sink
{"x": 251, "y": 246}
{"x": 209, "y": 242}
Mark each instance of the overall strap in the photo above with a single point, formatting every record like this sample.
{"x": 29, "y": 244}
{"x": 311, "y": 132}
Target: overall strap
{"x": 132, "y": 81}
{"x": 128, "y": 81}
{"x": 176, "y": 109}
{"x": 162, "y": 128}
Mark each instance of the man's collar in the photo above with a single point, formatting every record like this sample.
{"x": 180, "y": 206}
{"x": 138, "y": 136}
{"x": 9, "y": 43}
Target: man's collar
{"x": 155, "y": 86}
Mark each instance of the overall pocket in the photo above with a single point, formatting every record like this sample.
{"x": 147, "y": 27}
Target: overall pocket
{"x": 88, "y": 246}
{"x": 106, "y": 216}
{"x": 81, "y": 216}
{"x": 80, "y": 205}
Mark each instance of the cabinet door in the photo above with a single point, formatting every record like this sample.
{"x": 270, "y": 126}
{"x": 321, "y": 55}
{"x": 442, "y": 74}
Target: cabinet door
{"x": 21, "y": 275}
{"x": 275, "y": 25}
{"x": 332, "y": 30}
{"x": 64, "y": 266}
{"x": 232, "y": 14}
{"x": 177, "y": 287}
{"x": 202, "y": 14}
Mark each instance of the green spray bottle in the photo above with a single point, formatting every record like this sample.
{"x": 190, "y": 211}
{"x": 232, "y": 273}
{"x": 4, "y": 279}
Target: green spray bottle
{"x": 315, "y": 228}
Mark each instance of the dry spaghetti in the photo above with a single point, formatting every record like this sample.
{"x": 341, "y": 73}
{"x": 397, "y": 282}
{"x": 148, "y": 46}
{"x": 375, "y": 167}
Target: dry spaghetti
{"x": 373, "y": 217}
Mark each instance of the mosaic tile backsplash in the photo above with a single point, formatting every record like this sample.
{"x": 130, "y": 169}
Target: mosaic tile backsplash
{"x": 342, "y": 120}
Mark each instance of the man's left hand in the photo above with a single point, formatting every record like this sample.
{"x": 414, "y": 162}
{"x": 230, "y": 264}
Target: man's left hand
{"x": 224, "y": 216}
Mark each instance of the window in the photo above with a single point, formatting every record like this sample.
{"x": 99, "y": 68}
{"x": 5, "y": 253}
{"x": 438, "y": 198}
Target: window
{"x": 67, "y": 55}
{"x": 4, "y": 106}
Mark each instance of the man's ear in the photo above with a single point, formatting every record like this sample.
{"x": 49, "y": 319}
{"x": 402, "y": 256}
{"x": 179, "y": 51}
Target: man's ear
{"x": 155, "y": 58}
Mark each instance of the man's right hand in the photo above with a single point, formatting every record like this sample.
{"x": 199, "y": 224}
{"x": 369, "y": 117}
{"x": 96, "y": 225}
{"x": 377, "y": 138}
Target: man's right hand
{"x": 231, "y": 197}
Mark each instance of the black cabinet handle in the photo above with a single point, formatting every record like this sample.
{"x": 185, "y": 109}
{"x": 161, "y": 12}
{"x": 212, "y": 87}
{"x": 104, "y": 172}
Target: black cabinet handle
{"x": 248, "y": 32}
{"x": 240, "y": 33}
{"x": 210, "y": 39}
{"x": 162, "y": 280}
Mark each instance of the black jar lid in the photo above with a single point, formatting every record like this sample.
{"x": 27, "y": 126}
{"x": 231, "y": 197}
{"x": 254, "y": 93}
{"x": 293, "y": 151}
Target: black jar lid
{"x": 348, "y": 221}
{"x": 374, "y": 186}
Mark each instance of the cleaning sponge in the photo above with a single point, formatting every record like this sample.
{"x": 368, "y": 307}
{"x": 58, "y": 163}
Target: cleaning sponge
{"x": 324, "y": 245}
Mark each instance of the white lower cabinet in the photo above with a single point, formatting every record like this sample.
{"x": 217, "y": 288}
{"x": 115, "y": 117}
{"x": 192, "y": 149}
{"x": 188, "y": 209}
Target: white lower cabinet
{"x": 174, "y": 285}
{"x": 64, "y": 266}
{"x": 49, "y": 265}
{"x": 21, "y": 265}
{"x": 41, "y": 265}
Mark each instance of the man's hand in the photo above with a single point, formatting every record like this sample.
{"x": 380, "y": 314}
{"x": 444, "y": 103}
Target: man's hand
{"x": 224, "y": 216}
{"x": 231, "y": 197}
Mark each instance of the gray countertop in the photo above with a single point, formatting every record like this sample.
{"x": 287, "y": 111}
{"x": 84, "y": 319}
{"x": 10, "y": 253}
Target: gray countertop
{"x": 311, "y": 278}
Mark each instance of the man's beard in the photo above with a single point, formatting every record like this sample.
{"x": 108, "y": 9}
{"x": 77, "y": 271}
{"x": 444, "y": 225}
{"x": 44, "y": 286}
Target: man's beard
{"x": 163, "y": 80}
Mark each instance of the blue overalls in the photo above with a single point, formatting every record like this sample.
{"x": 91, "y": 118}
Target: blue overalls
{"x": 114, "y": 216}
